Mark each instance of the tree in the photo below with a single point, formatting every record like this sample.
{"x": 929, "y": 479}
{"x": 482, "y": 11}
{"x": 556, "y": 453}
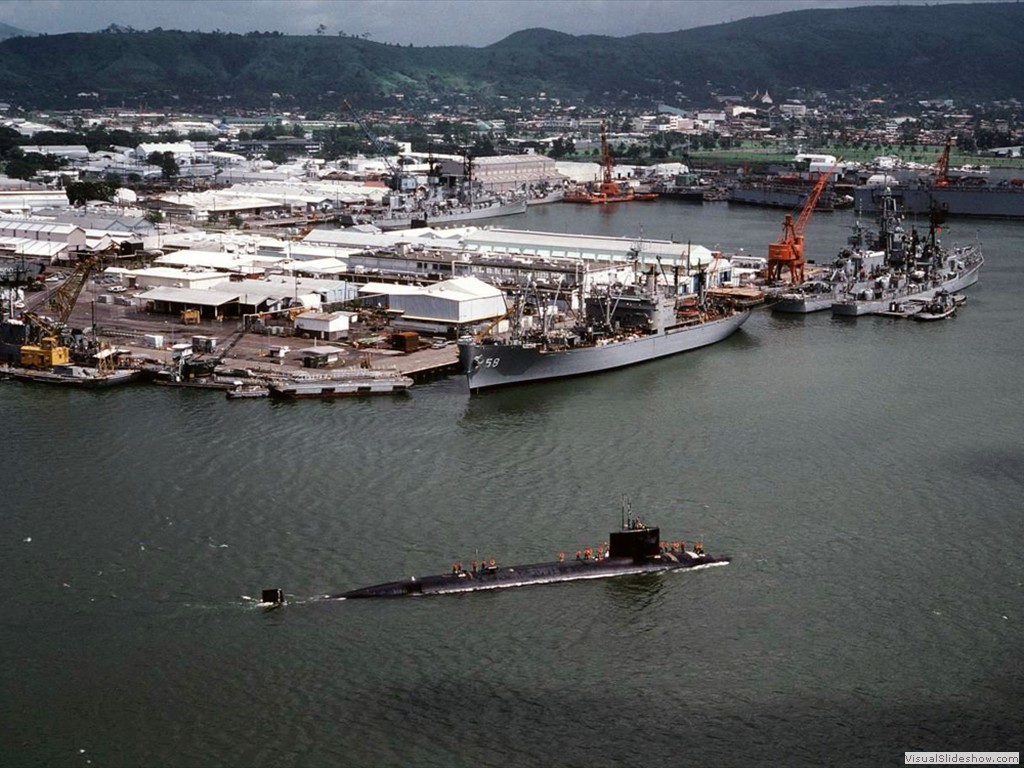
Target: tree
{"x": 18, "y": 168}
{"x": 483, "y": 147}
{"x": 166, "y": 162}
{"x": 268, "y": 131}
{"x": 561, "y": 147}
{"x": 9, "y": 139}
{"x": 80, "y": 192}
{"x": 276, "y": 155}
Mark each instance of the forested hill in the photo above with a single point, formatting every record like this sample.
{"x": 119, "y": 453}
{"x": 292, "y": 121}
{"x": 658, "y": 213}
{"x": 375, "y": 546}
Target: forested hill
{"x": 973, "y": 50}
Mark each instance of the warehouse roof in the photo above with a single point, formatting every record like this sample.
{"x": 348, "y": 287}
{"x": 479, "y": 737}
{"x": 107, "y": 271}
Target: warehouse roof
{"x": 189, "y": 296}
{"x": 462, "y": 288}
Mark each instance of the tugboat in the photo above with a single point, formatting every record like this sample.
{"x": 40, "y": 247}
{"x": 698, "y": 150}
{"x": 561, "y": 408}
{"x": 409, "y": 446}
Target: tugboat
{"x": 635, "y": 548}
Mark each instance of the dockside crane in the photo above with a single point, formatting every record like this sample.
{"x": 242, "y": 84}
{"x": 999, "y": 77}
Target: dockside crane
{"x": 62, "y": 300}
{"x": 49, "y": 339}
{"x": 788, "y": 250}
{"x": 942, "y": 166}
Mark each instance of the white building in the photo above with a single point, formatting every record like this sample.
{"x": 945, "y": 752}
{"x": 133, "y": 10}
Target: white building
{"x": 167, "y": 277}
{"x": 511, "y": 172}
{"x": 459, "y": 303}
{"x": 324, "y": 325}
{"x": 183, "y": 151}
{"x": 44, "y": 230}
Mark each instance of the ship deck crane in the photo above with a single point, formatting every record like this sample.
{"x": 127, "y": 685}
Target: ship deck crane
{"x": 788, "y": 250}
{"x": 395, "y": 179}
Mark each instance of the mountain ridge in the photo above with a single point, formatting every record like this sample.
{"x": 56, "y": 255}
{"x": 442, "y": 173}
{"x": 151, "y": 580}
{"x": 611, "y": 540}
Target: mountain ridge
{"x": 968, "y": 51}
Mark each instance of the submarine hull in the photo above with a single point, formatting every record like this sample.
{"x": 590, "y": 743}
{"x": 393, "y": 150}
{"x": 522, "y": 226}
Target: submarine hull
{"x": 536, "y": 573}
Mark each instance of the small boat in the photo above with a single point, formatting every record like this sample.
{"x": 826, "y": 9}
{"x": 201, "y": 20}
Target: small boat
{"x": 901, "y": 309}
{"x": 943, "y": 305}
{"x": 78, "y": 376}
{"x": 245, "y": 391}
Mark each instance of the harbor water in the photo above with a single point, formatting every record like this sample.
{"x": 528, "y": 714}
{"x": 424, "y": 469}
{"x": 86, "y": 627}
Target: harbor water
{"x": 864, "y": 475}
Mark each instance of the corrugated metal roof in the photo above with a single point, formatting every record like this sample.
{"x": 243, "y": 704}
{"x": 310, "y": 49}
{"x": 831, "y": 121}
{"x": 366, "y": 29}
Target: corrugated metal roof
{"x": 189, "y": 296}
{"x": 13, "y": 227}
{"x": 21, "y": 246}
{"x": 463, "y": 287}
{"x": 388, "y": 289}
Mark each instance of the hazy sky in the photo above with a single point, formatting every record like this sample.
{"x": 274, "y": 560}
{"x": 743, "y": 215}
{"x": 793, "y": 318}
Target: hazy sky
{"x": 420, "y": 22}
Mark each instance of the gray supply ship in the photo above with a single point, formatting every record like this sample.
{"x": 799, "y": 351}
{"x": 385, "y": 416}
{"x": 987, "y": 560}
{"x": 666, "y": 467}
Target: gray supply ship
{"x": 904, "y": 268}
{"x": 623, "y": 325}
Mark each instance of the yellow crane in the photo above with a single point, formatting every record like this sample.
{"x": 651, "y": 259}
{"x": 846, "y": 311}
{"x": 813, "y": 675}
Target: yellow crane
{"x": 50, "y": 349}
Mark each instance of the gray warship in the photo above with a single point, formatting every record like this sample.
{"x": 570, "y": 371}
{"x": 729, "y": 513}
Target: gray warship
{"x": 622, "y": 325}
{"x": 905, "y": 267}
{"x": 865, "y": 250}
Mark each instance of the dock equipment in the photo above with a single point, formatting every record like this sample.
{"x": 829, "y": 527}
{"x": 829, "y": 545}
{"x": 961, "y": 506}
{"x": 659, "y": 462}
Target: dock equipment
{"x": 788, "y": 250}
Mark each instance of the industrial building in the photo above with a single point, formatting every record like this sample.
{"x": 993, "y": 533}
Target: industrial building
{"x": 329, "y": 326}
{"x": 507, "y": 173}
{"x": 451, "y": 306}
{"x": 71, "y": 235}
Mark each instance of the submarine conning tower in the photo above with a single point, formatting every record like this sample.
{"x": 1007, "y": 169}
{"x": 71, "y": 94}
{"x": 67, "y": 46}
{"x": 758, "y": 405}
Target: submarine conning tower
{"x": 635, "y": 542}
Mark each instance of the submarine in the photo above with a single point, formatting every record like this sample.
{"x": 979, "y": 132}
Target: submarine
{"x": 634, "y": 549}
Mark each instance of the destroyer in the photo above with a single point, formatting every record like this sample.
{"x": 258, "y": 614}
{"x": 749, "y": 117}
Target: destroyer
{"x": 623, "y": 325}
{"x": 633, "y": 549}
{"x": 904, "y": 267}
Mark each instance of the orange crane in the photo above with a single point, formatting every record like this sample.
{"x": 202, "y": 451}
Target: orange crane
{"x": 788, "y": 250}
{"x": 942, "y": 167}
{"x": 609, "y": 190}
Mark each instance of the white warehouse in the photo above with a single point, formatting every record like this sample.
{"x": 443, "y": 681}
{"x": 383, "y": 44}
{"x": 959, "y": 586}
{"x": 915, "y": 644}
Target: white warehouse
{"x": 459, "y": 303}
{"x": 324, "y": 325}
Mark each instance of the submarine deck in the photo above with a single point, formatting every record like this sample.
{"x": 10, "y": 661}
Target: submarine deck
{"x": 536, "y": 573}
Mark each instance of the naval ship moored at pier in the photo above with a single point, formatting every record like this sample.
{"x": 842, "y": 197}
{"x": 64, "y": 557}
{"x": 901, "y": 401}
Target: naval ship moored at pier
{"x": 623, "y": 325}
